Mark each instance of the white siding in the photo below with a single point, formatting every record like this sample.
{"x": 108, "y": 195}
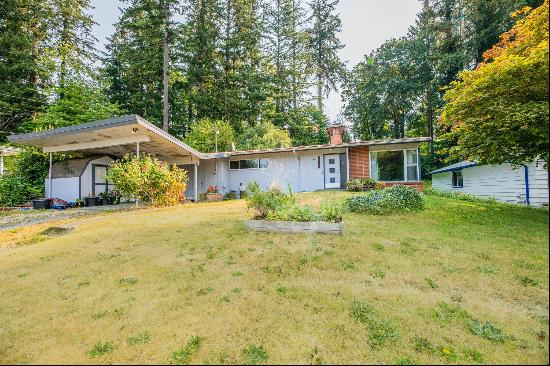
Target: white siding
{"x": 86, "y": 178}
{"x": 502, "y": 182}
{"x": 64, "y": 188}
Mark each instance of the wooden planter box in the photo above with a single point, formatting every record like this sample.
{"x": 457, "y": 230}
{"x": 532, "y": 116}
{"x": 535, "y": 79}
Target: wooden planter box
{"x": 294, "y": 226}
{"x": 214, "y": 197}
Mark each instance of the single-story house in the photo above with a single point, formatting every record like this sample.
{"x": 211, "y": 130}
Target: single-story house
{"x": 527, "y": 184}
{"x": 301, "y": 168}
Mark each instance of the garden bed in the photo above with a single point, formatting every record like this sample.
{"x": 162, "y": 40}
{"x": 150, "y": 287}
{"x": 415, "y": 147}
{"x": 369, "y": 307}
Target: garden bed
{"x": 295, "y": 226}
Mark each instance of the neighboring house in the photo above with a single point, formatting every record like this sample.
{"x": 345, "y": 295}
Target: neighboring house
{"x": 302, "y": 168}
{"x": 527, "y": 184}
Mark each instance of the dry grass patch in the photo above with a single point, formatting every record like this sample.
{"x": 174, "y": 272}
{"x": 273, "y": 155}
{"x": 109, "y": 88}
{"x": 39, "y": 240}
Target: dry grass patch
{"x": 457, "y": 283}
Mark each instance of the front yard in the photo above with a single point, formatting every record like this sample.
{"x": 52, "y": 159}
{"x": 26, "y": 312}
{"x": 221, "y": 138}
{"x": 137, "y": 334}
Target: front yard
{"x": 459, "y": 282}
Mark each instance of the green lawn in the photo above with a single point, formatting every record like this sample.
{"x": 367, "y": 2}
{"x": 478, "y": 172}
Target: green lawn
{"x": 457, "y": 283}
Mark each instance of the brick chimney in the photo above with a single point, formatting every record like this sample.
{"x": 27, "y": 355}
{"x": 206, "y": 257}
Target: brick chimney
{"x": 336, "y": 134}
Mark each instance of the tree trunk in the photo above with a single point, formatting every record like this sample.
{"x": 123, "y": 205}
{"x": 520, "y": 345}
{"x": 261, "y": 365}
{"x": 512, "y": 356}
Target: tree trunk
{"x": 319, "y": 91}
{"x": 165, "y": 123}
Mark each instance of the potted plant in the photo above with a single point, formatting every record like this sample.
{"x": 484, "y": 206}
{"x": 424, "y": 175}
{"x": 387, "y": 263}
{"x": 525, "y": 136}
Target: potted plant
{"x": 114, "y": 197}
{"x": 104, "y": 198}
{"x": 213, "y": 194}
{"x": 91, "y": 201}
{"x": 79, "y": 202}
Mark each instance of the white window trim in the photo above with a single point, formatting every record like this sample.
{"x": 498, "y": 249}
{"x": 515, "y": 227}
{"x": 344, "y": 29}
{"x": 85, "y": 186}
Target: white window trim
{"x": 452, "y": 179}
{"x": 258, "y": 168}
{"x": 405, "y": 165}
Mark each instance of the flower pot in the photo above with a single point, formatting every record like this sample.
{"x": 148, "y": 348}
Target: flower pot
{"x": 91, "y": 201}
{"x": 41, "y": 203}
{"x": 214, "y": 197}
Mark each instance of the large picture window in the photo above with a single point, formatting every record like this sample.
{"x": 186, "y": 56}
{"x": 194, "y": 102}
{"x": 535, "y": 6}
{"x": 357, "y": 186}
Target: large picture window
{"x": 248, "y": 164}
{"x": 394, "y": 166}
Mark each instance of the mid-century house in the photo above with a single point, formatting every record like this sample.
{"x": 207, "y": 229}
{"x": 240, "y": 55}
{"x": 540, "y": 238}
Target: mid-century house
{"x": 527, "y": 184}
{"x": 302, "y": 168}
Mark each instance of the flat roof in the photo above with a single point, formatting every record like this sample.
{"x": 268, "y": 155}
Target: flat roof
{"x": 318, "y": 147}
{"x": 455, "y": 167}
{"x": 114, "y": 137}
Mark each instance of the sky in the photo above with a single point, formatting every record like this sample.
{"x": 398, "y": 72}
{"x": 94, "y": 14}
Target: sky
{"x": 366, "y": 24}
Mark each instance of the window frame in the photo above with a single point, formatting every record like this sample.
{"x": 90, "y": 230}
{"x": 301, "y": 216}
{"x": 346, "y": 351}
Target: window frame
{"x": 373, "y": 157}
{"x": 257, "y": 159}
{"x": 453, "y": 179}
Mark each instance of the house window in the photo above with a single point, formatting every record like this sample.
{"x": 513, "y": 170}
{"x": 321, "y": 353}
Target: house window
{"x": 458, "y": 180}
{"x": 412, "y": 164}
{"x": 394, "y": 165}
{"x": 248, "y": 164}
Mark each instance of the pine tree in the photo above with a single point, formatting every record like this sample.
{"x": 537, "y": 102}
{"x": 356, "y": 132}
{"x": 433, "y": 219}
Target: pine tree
{"x": 325, "y": 45}
{"x": 22, "y": 30}
{"x": 140, "y": 60}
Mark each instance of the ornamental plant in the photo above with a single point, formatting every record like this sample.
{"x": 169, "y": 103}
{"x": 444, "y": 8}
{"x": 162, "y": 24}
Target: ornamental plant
{"x": 149, "y": 180}
{"x": 398, "y": 198}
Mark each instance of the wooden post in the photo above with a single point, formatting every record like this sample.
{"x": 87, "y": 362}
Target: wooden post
{"x": 137, "y": 155}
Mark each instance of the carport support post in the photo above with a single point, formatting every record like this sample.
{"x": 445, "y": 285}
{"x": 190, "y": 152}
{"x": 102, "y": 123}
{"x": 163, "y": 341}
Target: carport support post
{"x": 137, "y": 155}
{"x": 1, "y": 164}
{"x": 195, "y": 180}
{"x": 50, "y": 176}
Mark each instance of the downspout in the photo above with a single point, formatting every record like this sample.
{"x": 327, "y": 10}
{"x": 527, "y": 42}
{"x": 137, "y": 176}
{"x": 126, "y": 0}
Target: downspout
{"x": 527, "y": 195}
{"x": 347, "y": 165}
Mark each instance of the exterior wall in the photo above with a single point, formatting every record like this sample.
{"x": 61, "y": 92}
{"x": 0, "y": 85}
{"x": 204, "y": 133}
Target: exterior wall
{"x": 502, "y": 182}
{"x": 419, "y": 186}
{"x": 68, "y": 188}
{"x": 359, "y": 164}
{"x": 86, "y": 178}
{"x": 64, "y": 188}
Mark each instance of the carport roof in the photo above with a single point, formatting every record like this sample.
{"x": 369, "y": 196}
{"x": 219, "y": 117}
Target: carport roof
{"x": 115, "y": 136}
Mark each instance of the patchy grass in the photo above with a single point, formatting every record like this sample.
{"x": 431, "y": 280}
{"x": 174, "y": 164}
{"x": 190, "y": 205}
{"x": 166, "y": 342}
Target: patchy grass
{"x": 461, "y": 282}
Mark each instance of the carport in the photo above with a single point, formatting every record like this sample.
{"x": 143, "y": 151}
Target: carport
{"x": 115, "y": 138}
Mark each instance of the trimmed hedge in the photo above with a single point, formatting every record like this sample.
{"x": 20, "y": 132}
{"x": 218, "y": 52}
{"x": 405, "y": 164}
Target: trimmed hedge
{"x": 398, "y": 198}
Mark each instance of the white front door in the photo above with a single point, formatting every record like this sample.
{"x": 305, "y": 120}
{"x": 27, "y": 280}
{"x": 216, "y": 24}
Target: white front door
{"x": 332, "y": 171}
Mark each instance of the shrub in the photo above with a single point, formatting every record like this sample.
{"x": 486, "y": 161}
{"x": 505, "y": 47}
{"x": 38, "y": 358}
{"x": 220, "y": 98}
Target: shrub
{"x": 397, "y": 198}
{"x": 230, "y": 196}
{"x": 264, "y": 202}
{"x": 457, "y": 195}
{"x": 148, "y": 179}
{"x": 15, "y": 190}
{"x": 293, "y": 212}
{"x": 361, "y": 184}
{"x": 331, "y": 211}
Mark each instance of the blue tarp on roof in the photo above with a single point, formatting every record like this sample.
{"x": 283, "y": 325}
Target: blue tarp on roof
{"x": 454, "y": 167}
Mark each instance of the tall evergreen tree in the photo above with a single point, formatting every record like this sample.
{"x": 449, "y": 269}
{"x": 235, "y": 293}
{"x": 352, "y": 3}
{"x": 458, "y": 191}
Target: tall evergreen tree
{"x": 324, "y": 45}
{"x": 139, "y": 60}
{"x": 22, "y": 30}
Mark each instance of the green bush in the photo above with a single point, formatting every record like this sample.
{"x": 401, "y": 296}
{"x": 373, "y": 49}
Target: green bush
{"x": 331, "y": 211}
{"x": 265, "y": 202}
{"x": 456, "y": 195}
{"x": 148, "y": 179}
{"x": 230, "y": 196}
{"x": 361, "y": 184}
{"x": 397, "y": 198}
{"x": 293, "y": 212}
{"x": 16, "y": 190}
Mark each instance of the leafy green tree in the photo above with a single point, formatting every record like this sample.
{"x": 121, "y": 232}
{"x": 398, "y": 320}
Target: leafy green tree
{"x": 383, "y": 91}
{"x": 210, "y": 135}
{"x": 499, "y": 112}
{"x": 324, "y": 47}
{"x": 263, "y": 135}
{"x": 80, "y": 102}
{"x": 307, "y": 126}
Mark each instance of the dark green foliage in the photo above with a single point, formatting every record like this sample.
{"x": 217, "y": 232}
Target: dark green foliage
{"x": 360, "y": 184}
{"x": 16, "y": 190}
{"x": 253, "y": 355}
{"x": 265, "y": 202}
{"x": 380, "y": 330}
{"x": 185, "y": 354}
{"x": 293, "y": 212}
{"x": 397, "y": 198}
{"x": 101, "y": 349}
{"x": 486, "y": 330}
